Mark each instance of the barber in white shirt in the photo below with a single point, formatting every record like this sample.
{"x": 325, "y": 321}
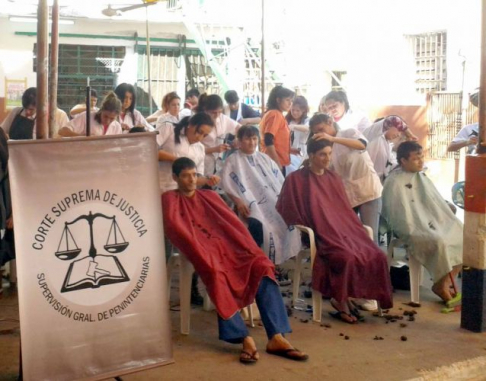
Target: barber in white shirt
{"x": 103, "y": 122}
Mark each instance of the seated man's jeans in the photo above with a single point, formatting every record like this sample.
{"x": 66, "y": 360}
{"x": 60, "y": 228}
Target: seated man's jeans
{"x": 272, "y": 311}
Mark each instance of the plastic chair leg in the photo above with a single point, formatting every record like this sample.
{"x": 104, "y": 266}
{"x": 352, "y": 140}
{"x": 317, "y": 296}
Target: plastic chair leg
{"x": 13, "y": 271}
{"x": 186, "y": 271}
{"x": 171, "y": 263}
{"x": 250, "y": 314}
{"x": 415, "y": 278}
{"x": 207, "y": 304}
{"x": 316, "y": 306}
{"x": 297, "y": 273}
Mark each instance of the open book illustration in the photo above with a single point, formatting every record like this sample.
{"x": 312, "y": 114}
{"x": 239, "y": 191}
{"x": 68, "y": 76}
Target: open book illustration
{"x": 94, "y": 270}
{"x": 93, "y": 273}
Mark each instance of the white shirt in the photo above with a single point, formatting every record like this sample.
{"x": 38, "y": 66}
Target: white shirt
{"x": 166, "y": 142}
{"x": 166, "y": 119}
{"x": 135, "y": 120}
{"x": 379, "y": 149}
{"x": 78, "y": 125}
{"x": 354, "y": 119}
{"x": 355, "y": 167}
{"x": 223, "y": 126}
{"x": 465, "y": 134}
{"x": 185, "y": 112}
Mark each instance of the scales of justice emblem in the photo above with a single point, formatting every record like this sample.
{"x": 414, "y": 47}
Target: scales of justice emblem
{"x": 94, "y": 270}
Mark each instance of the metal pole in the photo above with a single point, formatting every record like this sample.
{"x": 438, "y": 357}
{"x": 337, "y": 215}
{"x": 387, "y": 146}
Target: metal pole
{"x": 88, "y": 109}
{"x": 42, "y": 131}
{"x": 148, "y": 60}
{"x": 473, "y": 315}
{"x": 262, "y": 66}
{"x": 482, "y": 85}
{"x": 53, "y": 69}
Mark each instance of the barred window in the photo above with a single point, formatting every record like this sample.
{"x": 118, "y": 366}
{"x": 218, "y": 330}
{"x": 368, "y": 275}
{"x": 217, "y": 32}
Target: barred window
{"x": 430, "y": 53}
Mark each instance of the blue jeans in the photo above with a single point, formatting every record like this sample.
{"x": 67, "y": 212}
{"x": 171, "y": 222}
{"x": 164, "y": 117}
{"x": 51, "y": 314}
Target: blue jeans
{"x": 272, "y": 311}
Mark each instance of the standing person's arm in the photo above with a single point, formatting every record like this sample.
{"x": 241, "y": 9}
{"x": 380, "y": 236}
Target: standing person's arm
{"x": 464, "y": 138}
{"x": 456, "y": 146}
{"x": 76, "y": 127}
{"x": 270, "y": 149}
{"x": 249, "y": 116}
{"x": 270, "y": 129}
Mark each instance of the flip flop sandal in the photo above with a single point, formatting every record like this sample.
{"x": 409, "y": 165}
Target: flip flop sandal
{"x": 455, "y": 301}
{"x": 248, "y": 360}
{"x": 287, "y": 353}
{"x": 338, "y": 315}
{"x": 355, "y": 312}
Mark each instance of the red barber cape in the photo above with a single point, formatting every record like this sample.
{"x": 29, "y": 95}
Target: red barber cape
{"x": 348, "y": 263}
{"x": 218, "y": 245}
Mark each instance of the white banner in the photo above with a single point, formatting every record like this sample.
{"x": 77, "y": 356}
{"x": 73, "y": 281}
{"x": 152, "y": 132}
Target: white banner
{"x": 90, "y": 257}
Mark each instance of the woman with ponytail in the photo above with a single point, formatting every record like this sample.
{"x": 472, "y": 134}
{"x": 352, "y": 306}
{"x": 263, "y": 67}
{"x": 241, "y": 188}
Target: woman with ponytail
{"x": 183, "y": 139}
{"x": 103, "y": 122}
{"x": 216, "y": 143}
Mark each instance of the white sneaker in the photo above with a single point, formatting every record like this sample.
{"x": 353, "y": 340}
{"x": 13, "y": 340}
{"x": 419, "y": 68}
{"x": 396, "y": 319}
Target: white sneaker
{"x": 366, "y": 304}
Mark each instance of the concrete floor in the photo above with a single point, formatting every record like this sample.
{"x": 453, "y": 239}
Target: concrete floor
{"x": 434, "y": 340}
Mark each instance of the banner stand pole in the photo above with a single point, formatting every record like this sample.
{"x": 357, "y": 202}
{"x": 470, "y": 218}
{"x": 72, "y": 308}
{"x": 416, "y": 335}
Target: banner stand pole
{"x": 21, "y": 376}
{"x": 88, "y": 109}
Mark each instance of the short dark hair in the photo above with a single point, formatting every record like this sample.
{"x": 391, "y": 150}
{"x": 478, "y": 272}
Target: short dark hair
{"x": 136, "y": 129}
{"x": 193, "y": 93}
{"x": 209, "y": 103}
{"x": 278, "y": 92}
{"x": 197, "y": 120}
{"x": 93, "y": 93}
{"x": 231, "y": 97}
{"x": 29, "y": 97}
{"x": 319, "y": 118}
{"x": 181, "y": 164}
{"x": 314, "y": 146}
{"x": 338, "y": 96}
{"x": 248, "y": 132}
{"x": 405, "y": 149}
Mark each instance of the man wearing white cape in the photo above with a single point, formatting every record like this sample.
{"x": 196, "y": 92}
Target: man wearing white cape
{"x": 419, "y": 216}
{"x": 253, "y": 181}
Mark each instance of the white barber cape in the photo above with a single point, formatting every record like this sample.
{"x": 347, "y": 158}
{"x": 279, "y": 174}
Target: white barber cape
{"x": 257, "y": 180}
{"x": 418, "y": 215}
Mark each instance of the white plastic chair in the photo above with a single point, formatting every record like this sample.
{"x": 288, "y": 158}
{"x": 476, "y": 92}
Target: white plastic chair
{"x": 186, "y": 269}
{"x": 311, "y": 251}
{"x": 415, "y": 269}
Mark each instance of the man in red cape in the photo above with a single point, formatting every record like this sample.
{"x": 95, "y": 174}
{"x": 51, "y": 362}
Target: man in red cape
{"x": 234, "y": 269}
{"x": 348, "y": 263}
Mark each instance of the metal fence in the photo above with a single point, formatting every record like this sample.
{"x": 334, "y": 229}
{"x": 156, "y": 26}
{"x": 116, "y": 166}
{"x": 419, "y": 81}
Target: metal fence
{"x": 446, "y": 118}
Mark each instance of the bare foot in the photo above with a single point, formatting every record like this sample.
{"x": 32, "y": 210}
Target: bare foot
{"x": 280, "y": 346}
{"x": 249, "y": 352}
{"x": 343, "y": 309}
{"x": 442, "y": 290}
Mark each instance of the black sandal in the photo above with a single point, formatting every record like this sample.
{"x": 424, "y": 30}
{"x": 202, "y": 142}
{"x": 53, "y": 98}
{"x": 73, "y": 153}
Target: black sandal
{"x": 248, "y": 360}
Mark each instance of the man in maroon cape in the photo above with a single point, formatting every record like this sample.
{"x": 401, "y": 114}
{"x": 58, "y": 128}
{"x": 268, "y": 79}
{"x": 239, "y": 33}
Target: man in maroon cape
{"x": 348, "y": 263}
{"x": 234, "y": 269}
